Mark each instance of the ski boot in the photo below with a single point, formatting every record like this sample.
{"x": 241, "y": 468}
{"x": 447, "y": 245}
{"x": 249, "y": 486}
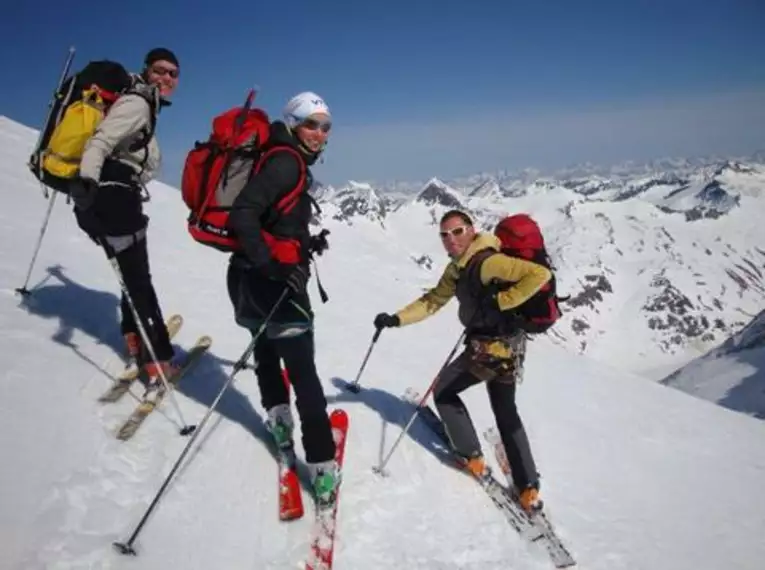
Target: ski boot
{"x": 325, "y": 481}
{"x": 155, "y": 388}
{"x": 133, "y": 344}
{"x": 474, "y": 464}
{"x": 280, "y": 424}
{"x": 529, "y": 500}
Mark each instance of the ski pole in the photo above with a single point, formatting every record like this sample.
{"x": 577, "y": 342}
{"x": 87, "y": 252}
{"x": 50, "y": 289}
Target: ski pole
{"x": 127, "y": 547}
{"x": 186, "y": 429}
{"x": 34, "y": 160}
{"x": 23, "y": 291}
{"x": 380, "y": 469}
{"x": 34, "y": 163}
{"x": 354, "y": 386}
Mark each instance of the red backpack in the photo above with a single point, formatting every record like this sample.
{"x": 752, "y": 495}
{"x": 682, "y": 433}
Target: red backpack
{"x": 521, "y": 237}
{"x": 216, "y": 171}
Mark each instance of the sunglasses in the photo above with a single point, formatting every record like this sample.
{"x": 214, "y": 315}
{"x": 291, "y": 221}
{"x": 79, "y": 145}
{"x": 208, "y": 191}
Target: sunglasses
{"x": 314, "y": 125}
{"x": 456, "y": 232}
{"x": 165, "y": 71}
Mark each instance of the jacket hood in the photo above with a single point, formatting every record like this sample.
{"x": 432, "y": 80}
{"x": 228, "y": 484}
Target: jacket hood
{"x": 148, "y": 91}
{"x": 282, "y": 135}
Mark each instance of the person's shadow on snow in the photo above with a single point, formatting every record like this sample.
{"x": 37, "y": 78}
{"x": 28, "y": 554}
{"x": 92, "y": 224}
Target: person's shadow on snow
{"x": 393, "y": 410}
{"x": 77, "y": 308}
{"x": 203, "y": 384}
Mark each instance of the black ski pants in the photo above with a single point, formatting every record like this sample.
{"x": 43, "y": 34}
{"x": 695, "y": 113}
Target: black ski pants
{"x": 288, "y": 338}
{"x": 134, "y": 265}
{"x": 501, "y": 383}
{"x": 297, "y": 354}
{"x": 116, "y": 217}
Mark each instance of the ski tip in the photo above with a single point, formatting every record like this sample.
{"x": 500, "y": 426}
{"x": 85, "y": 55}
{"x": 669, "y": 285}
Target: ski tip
{"x": 125, "y": 549}
{"x": 188, "y": 430}
{"x": 338, "y": 417}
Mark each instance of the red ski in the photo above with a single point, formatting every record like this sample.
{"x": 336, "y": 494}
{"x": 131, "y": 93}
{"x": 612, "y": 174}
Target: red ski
{"x": 323, "y": 533}
{"x": 290, "y": 495}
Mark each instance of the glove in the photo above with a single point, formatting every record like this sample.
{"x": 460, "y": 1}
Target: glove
{"x": 83, "y": 192}
{"x": 295, "y": 276}
{"x": 384, "y": 320}
{"x": 318, "y": 244}
{"x": 297, "y": 279}
{"x": 489, "y": 302}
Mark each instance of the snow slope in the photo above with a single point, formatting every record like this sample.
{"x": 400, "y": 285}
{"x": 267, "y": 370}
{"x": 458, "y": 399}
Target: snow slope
{"x": 636, "y": 476}
{"x": 732, "y": 374}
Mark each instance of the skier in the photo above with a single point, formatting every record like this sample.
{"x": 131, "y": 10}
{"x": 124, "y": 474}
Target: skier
{"x": 108, "y": 196}
{"x": 495, "y": 349}
{"x": 258, "y": 276}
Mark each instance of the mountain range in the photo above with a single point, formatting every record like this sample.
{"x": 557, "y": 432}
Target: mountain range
{"x": 662, "y": 261}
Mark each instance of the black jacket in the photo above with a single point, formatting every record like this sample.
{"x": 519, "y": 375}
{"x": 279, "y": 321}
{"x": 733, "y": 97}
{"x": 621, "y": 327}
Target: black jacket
{"x": 255, "y": 206}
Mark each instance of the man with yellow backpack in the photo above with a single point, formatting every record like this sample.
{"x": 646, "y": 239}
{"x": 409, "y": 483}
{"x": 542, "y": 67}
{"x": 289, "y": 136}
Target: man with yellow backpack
{"x": 100, "y": 148}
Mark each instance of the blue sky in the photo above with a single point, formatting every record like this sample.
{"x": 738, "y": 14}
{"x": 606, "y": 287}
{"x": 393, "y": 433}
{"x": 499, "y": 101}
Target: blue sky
{"x": 431, "y": 88}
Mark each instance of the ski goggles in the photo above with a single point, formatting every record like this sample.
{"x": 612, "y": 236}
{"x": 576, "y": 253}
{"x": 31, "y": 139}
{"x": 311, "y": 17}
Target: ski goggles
{"x": 165, "y": 71}
{"x": 456, "y": 232}
{"x": 316, "y": 125}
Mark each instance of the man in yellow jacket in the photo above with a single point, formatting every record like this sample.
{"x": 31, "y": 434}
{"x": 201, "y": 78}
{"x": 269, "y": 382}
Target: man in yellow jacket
{"x": 495, "y": 343}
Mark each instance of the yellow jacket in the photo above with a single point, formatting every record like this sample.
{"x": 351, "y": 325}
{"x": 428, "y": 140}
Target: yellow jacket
{"x": 528, "y": 278}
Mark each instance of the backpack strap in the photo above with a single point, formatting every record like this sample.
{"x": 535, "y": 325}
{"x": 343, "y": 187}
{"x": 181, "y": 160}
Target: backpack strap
{"x": 151, "y": 95}
{"x": 288, "y": 202}
{"x": 509, "y": 321}
{"x": 472, "y": 272}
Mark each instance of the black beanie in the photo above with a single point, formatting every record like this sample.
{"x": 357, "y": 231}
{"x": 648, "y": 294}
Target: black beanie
{"x": 158, "y": 54}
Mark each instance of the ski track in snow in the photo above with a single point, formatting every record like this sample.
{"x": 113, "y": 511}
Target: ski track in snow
{"x": 635, "y": 475}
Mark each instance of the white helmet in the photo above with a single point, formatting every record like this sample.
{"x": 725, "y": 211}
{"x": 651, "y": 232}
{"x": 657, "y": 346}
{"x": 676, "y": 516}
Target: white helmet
{"x": 302, "y": 106}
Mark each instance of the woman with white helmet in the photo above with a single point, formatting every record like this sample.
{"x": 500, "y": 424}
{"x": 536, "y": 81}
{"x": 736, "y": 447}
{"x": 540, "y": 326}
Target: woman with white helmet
{"x": 276, "y": 201}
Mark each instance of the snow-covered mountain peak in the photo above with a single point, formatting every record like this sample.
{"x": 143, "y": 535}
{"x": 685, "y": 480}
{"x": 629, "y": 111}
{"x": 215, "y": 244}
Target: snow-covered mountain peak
{"x": 357, "y": 199}
{"x": 438, "y": 193}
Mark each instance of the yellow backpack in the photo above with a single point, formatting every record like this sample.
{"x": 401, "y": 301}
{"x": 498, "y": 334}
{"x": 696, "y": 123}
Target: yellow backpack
{"x": 79, "y": 106}
{"x": 61, "y": 157}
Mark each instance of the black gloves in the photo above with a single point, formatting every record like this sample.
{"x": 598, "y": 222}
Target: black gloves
{"x": 295, "y": 276}
{"x": 318, "y": 244}
{"x": 83, "y": 192}
{"x": 384, "y": 320}
{"x": 489, "y": 301}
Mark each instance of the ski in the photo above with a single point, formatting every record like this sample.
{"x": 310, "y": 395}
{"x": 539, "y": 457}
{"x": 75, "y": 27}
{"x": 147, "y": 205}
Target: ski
{"x": 123, "y": 382}
{"x": 493, "y": 488}
{"x": 290, "y": 494}
{"x": 323, "y": 532}
{"x": 529, "y": 528}
{"x": 559, "y": 554}
{"x": 144, "y": 408}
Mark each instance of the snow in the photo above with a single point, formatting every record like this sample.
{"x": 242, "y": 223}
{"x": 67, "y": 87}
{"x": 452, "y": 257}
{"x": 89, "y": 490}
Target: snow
{"x": 666, "y": 252}
{"x": 669, "y": 258}
{"x": 732, "y": 374}
{"x": 635, "y": 475}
